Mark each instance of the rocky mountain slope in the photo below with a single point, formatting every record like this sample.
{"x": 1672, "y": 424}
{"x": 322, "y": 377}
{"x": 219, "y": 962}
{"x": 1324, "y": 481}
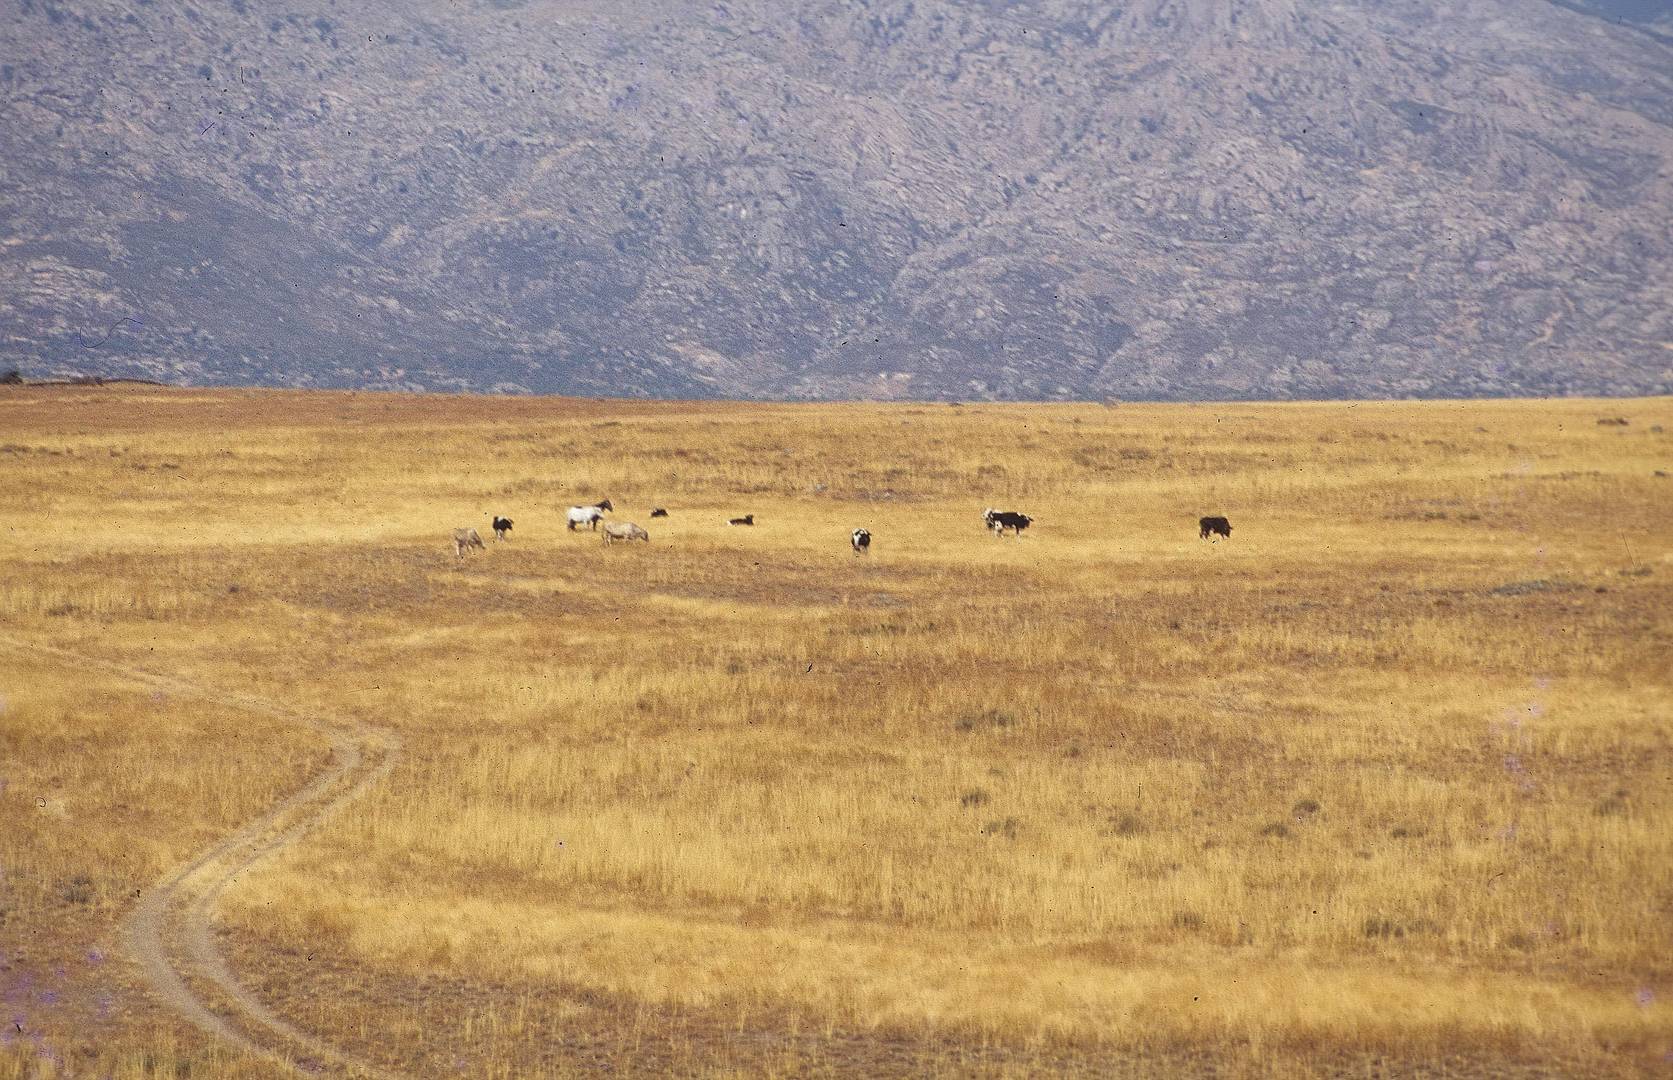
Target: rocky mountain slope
{"x": 843, "y": 198}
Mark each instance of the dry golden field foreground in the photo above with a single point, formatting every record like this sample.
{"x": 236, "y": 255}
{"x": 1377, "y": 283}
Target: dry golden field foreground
{"x": 1378, "y": 786}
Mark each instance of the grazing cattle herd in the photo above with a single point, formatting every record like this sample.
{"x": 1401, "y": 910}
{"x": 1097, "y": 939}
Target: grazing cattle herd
{"x": 996, "y": 521}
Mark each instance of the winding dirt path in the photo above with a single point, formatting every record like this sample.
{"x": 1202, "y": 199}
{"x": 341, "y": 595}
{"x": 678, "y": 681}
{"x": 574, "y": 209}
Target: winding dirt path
{"x": 170, "y": 930}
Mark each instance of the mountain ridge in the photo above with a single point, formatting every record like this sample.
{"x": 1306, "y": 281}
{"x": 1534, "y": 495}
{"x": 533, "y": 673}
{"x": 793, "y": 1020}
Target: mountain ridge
{"x": 1175, "y": 199}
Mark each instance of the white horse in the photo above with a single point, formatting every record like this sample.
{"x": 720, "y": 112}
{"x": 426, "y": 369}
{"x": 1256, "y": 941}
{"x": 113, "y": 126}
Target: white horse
{"x": 588, "y": 515}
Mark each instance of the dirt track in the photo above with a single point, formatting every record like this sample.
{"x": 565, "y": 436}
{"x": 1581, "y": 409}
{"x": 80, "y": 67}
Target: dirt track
{"x": 169, "y": 931}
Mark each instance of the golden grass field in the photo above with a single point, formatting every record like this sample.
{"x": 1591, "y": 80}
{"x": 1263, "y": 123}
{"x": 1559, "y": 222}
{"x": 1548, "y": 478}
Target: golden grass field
{"x": 1379, "y": 786}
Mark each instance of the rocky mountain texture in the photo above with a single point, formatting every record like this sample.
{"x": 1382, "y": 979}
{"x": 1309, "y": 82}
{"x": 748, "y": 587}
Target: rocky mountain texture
{"x": 868, "y": 198}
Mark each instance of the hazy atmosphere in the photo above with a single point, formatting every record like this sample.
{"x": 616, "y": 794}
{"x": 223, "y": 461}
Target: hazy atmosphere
{"x": 1040, "y": 199}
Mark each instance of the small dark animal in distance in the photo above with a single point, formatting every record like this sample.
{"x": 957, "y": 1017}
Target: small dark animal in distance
{"x": 1000, "y": 520}
{"x": 747, "y": 519}
{"x": 1215, "y": 526}
{"x": 861, "y": 539}
{"x": 659, "y": 512}
{"x": 501, "y": 527}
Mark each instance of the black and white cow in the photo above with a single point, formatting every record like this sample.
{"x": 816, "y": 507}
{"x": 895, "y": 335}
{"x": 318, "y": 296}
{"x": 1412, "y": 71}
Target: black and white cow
{"x": 861, "y": 539}
{"x": 1214, "y": 526}
{"x": 501, "y": 527}
{"x": 1000, "y": 520}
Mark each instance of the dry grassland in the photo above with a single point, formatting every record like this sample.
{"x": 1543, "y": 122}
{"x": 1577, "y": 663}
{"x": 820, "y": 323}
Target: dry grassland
{"x": 1381, "y": 785}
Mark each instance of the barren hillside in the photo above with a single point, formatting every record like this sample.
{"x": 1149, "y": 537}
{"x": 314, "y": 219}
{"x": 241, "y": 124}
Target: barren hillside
{"x": 1040, "y": 199}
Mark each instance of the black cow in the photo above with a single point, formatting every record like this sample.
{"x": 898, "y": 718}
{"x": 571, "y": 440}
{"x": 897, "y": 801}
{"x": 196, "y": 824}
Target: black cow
{"x": 1215, "y": 526}
{"x": 861, "y": 539}
{"x": 501, "y": 527}
{"x": 1000, "y": 520}
{"x": 659, "y": 512}
{"x": 747, "y": 519}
